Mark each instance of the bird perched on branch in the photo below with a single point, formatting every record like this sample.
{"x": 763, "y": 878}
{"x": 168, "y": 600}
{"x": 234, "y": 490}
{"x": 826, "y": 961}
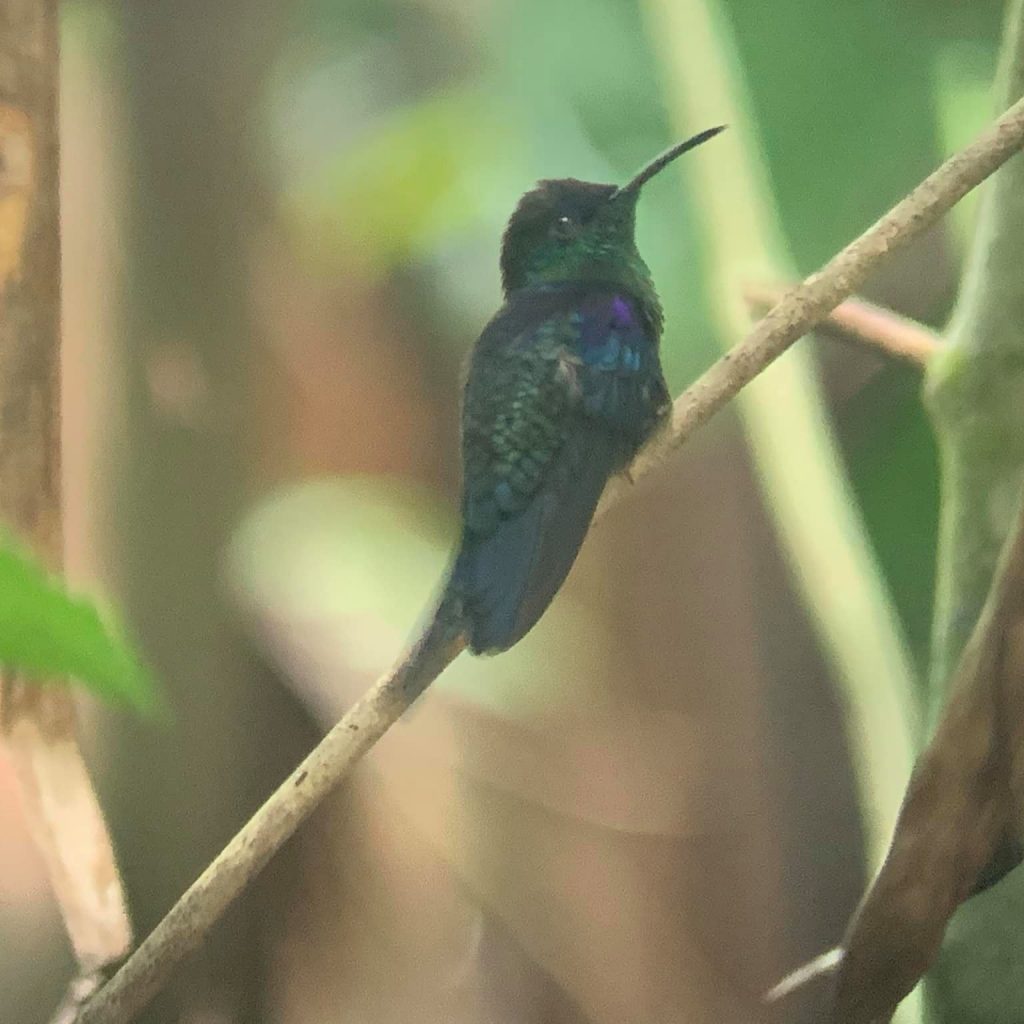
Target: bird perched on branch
{"x": 564, "y": 387}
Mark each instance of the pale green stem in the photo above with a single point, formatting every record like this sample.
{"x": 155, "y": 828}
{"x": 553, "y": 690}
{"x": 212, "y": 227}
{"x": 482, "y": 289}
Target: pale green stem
{"x": 787, "y": 426}
{"x": 976, "y": 397}
{"x": 975, "y": 388}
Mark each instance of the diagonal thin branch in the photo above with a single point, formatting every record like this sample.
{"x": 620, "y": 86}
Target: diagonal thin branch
{"x": 205, "y": 901}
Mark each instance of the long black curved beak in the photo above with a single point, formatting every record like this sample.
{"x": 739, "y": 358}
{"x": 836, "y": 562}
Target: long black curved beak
{"x": 659, "y": 163}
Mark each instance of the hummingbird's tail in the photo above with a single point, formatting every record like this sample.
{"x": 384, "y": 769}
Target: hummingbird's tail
{"x": 505, "y": 580}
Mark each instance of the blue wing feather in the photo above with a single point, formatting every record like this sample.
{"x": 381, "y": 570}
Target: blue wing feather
{"x": 510, "y": 576}
{"x": 559, "y": 397}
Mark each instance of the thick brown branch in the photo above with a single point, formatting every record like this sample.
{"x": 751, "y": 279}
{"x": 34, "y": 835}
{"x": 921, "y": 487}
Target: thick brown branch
{"x": 800, "y": 309}
{"x": 963, "y": 799}
{"x": 863, "y": 322}
{"x": 38, "y": 723}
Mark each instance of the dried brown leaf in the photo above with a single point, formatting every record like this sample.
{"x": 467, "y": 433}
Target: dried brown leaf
{"x": 960, "y": 803}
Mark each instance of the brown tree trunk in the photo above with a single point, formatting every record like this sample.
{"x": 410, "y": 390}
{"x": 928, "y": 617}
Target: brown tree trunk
{"x": 38, "y": 722}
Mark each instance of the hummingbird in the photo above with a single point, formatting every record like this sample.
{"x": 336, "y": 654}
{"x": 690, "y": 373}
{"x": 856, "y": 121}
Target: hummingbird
{"x": 563, "y": 388}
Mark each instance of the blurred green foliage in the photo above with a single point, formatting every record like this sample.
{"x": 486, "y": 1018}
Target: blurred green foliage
{"x": 48, "y": 633}
{"x": 854, "y": 103}
{"x": 400, "y": 135}
{"x": 406, "y": 189}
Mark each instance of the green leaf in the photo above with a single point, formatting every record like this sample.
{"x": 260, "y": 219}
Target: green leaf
{"x": 423, "y": 176}
{"x": 45, "y": 633}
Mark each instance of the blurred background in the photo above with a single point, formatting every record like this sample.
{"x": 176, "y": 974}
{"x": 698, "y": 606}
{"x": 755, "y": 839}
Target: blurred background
{"x": 281, "y": 230}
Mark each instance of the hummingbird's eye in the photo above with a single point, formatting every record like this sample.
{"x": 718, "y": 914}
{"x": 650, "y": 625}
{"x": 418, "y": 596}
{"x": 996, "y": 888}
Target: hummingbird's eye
{"x": 564, "y": 228}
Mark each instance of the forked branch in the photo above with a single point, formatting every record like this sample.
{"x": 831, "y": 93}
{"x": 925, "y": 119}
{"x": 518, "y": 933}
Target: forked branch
{"x": 863, "y": 322}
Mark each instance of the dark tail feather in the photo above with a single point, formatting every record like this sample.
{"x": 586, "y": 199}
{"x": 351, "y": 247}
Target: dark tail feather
{"x": 508, "y": 579}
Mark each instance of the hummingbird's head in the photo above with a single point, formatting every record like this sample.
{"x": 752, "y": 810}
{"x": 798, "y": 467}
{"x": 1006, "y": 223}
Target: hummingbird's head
{"x": 569, "y": 230}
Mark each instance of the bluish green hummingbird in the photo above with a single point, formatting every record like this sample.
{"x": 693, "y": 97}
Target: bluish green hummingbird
{"x": 564, "y": 386}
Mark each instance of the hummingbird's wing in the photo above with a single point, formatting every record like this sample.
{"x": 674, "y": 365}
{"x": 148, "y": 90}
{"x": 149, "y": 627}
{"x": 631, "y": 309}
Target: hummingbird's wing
{"x": 558, "y": 398}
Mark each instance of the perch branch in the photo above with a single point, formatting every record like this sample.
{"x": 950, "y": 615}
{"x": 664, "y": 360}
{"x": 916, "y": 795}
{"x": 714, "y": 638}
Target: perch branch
{"x": 863, "y": 322}
{"x": 205, "y": 901}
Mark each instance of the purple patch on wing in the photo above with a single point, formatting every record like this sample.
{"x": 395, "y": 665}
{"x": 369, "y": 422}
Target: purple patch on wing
{"x": 610, "y": 333}
{"x": 601, "y": 317}
{"x": 622, "y": 312}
